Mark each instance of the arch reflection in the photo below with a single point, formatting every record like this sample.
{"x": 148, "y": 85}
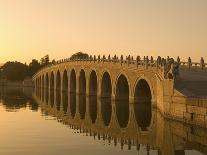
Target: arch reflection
{"x": 106, "y": 110}
{"x": 156, "y": 141}
{"x": 65, "y": 101}
{"x": 58, "y": 99}
{"x": 93, "y": 108}
{"x": 72, "y": 104}
{"x": 143, "y": 114}
{"x": 122, "y": 112}
{"x": 82, "y": 105}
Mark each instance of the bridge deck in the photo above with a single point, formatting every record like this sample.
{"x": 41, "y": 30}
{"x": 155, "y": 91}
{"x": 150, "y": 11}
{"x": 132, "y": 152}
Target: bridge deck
{"x": 192, "y": 83}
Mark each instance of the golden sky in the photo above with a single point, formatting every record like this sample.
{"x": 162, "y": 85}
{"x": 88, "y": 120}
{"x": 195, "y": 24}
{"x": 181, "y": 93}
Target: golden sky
{"x": 32, "y": 28}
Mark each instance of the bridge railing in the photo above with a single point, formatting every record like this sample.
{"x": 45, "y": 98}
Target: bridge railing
{"x": 164, "y": 66}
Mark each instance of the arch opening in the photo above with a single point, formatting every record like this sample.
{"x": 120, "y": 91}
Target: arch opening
{"x": 65, "y": 82}
{"x": 52, "y": 81}
{"x": 122, "y": 88}
{"x": 82, "y": 82}
{"x": 143, "y": 105}
{"x": 58, "y": 90}
{"x": 72, "y": 82}
{"x": 52, "y": 93}
{"x": 58, "y": 80}
{"x": 122, "y": 101}
{"x": 93, "y": 84}
{"x": 47, "y": 88}
{"x": 36, "y": 86}
{"x": 37, "y": 89}
{"x": 142, "y": 92}
{"x": 43, "y": 87}
{"x": 106, "y": 88}
{"x": 40, "y": 88}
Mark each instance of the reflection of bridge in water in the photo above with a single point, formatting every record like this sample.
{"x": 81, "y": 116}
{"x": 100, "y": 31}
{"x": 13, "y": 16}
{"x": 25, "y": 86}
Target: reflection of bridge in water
{"x": 127, "y": 125}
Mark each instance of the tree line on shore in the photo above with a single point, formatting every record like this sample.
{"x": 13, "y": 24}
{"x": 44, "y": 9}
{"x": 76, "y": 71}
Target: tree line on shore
{"x": 17, "y": 71}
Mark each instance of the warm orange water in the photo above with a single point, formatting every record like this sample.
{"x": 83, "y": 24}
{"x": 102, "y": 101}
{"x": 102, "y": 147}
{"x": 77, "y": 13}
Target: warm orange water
{"x": 27, "y": 128}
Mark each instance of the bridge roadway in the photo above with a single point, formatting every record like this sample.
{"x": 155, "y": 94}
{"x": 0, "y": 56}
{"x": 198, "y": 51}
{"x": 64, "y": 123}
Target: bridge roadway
{"x": 132, "y": 81}
{"x": 91, "y": 116}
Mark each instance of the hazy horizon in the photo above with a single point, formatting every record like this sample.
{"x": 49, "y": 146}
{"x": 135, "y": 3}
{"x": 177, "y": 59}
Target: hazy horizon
{"x": 33, "y": 28}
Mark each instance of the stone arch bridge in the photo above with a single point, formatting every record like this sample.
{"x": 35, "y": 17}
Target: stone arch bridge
{"x": 130, "y": 80}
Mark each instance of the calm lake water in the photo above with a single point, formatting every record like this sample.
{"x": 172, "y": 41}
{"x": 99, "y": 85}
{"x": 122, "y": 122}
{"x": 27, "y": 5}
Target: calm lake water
{"x": 71, "y": 124}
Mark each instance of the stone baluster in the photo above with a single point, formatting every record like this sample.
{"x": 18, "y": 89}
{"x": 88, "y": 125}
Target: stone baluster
{"x": 114, "y": 59}
{"x": 162, "y": 62}
{"x": 178, "y": 60}
{"x": 104, "y": 58}
{"x": 164, "y": 65}
{"x": 146, "y": 62}
{"x": 202, "y": 63}
{"x": 138, "y": 60}
{"x": 189, "y": 62}
{"x": 91, "y": 58}
{"x": 94, "y": 58}
{"x": 128, "y": 60}
{"x": 168, "y": 58}
{"x": 151, "y": 60}
{"x": 99, "y": 58}
{"x": 132, "y": 60}
{"x": 158, "y": 62}
{"x": 121, "y": 59}
{"x": 109, "y": 58}
{"x": 144, "y": 59}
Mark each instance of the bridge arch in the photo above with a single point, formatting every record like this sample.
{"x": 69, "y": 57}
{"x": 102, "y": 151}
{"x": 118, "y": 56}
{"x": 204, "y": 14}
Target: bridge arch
{"x": 65, "y": 81}
{"x": 82, "y": 82}
{"x": 122, "y": 100}
{"x": 93, "y": 83}
{"x": 40, "y": 87}
{"x": 52, "y": 81}
{"x": 73, "y": 81}
{"x": 122, "y": 88}
{"x": 47, "y": 88}
{"x": 143, "y": 90}
{"x": 52, "y": 93}
{"x": 143, "y": 103}
{"x": 37, "y": 86}
{"x": 58, "y": 80}
{"x": 106, "y": 85}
